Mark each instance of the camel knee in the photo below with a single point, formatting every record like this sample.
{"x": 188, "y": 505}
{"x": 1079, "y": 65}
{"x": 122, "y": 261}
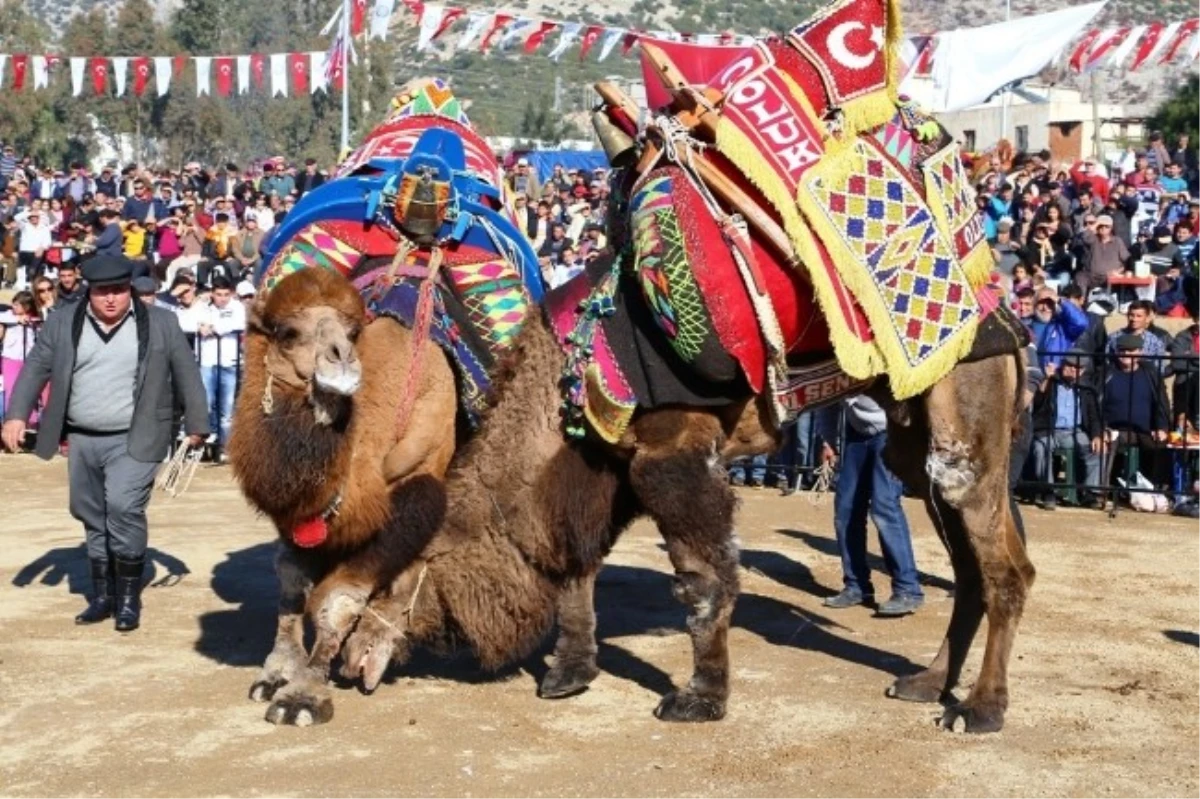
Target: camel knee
{"x": 952, "y": 469}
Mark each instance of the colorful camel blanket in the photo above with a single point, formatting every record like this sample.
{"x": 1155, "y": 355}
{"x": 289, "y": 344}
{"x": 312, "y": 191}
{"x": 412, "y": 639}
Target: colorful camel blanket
{"x": 422, "y": 183}
{"x": 871, "y": 194}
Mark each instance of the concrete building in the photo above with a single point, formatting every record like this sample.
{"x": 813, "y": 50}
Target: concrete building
{"x": 1040, "y": 117}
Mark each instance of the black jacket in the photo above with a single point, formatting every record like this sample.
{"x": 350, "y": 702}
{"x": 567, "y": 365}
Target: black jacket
{"x": 1045, "y": 408}
{"x": 167, "y": 376}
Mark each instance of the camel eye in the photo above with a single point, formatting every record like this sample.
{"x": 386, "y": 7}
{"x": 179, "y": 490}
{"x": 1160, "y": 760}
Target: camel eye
{"x": 354, "y": 332}
{"x": 285, "y": 334}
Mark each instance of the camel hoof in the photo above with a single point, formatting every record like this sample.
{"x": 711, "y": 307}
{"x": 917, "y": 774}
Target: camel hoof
{"x": 687, "y": 706}
{"x": 263, "y": 690}
{"x": 975, "y": 718}
{"x": 300, "y": 708}
{"x": 917, "y": 688}
{"x": 568, "y": 678}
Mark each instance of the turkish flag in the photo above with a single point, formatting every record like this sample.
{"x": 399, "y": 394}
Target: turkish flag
{"x": 20, "y": 63}
{"x": 53, "y": 62}
{"x": 589, "y": 38}
{"x": 258, "y": 68}
{"x": 448, "y": 18}
{"x": 298, "y": 66}
{"x": 498, "y": 22}
{"x": 141, "y": 74}
{"x": 538, "y": 36}
{"x": 1186, "y": 31}
{"x": 358, "y": 12}
{"x": 99, "y": 70}
{"x": 849, "y": 48}
{"x": 628, "y": 42}
{"x": 224, "y": 75}
{"x": 178, "y": 64}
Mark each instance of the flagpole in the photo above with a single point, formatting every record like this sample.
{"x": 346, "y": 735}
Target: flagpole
{"x": 1005, "y": 92}
{"x": 345, "y": 77}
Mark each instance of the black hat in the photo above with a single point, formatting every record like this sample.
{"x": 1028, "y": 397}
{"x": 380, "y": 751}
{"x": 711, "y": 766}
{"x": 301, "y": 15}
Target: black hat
{"x": 1129, "y": 341}
{"x": 107, "y": 270}
{"x": 144, "y": 285}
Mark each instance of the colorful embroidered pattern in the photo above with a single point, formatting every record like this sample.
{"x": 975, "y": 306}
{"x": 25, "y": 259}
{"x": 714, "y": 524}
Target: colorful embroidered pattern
{"x": 313, "y": 247}
{"x": 434, "y": 98}
{"x": 897, "y": 141}
{"x": 496, "y": 301}
{"x": 916, "y": 294}
{"x": 664, "y": 274}
{"x": 953, "y": 201}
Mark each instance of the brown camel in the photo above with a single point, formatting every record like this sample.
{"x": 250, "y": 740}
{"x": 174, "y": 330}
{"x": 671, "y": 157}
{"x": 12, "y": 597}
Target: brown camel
{"x": 317, "y": 449}
{"x": 532, "y": 516}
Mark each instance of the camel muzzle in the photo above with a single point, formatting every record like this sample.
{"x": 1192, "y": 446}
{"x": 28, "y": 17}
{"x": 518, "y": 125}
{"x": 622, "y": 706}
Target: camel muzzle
{"x": 342, "y": 378}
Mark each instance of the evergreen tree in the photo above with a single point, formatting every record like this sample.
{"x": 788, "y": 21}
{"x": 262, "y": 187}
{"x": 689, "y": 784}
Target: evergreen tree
{"x": 1181, "y": 113}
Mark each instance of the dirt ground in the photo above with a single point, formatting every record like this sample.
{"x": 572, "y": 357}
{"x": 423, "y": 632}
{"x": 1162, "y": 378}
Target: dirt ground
{"x": 1104, "y": 677}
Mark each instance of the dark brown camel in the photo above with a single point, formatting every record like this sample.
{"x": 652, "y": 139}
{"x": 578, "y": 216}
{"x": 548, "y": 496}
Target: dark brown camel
{"x": 532, "y": 516}
{"x": 316, "y": 447}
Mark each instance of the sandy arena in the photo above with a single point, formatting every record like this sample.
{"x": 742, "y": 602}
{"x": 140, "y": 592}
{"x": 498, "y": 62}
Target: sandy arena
{"x": 1104, "y": 677}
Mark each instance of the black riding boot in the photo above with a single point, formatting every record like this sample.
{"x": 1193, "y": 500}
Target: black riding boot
{"x": 101, "y": 605}
{"x": 129, "y": 593}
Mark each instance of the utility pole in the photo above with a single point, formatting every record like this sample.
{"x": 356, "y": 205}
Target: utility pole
{"x": 557, "y": 93}
{"x": 1096, "y": 138}
{"x": 345, "y": 78}
{"x": 1005, "y": 92}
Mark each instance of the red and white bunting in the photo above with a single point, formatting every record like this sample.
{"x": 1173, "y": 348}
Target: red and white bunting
{"x": 590, "y": 36}
{"x": 298, "y": 66}
{"x": 224, "y": 67}
{"x": 539, "y": 35}
{"x": 99, "y": 70}
{"x": 120, "y": 71}
{"x": 203, "y": 68}
{"x": 431, "y": 24}
{"x": 141, "y": 75}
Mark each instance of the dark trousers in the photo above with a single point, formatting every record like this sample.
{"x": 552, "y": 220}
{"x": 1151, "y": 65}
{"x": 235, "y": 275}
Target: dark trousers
{"x": 109, "y": 494}
{"x": 866, "y": 486}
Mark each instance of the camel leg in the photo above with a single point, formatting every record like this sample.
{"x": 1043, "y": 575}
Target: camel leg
{"x": 575, "y": 651}
{"x": 679, "y": 482}
{"x": 935, "y": 683}
{"x": 381, "y": 636}
{"x": 286, "y": 661}
{"x": 1007, "y": 575}
{"x": 339, "y": 600}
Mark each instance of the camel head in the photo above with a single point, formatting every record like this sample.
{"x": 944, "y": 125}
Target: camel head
{"x": 311, "y": 322}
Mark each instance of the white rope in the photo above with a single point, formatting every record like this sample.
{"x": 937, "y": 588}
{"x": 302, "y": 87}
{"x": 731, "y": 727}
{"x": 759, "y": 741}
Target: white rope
{"x": 819, "y": 493}
{"x": 177, "y": 477}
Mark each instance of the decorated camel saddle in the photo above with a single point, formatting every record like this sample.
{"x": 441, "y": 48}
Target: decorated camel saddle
{"x": 417, "y": 217}
{"x": 794, "y": 225}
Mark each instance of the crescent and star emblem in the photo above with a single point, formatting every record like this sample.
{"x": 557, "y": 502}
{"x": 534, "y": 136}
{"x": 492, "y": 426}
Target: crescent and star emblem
{"x": 836, "y": 42}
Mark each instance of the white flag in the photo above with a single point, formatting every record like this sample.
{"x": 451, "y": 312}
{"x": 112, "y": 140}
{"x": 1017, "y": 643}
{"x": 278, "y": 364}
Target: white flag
{"x": 3, "y": 61}
{"x": 477, "y": 23}
{"x": 337, "y": 15}
{"x": 243, "y": 74}
{"x": 316, "y": 72}
{"x": 611, "y": 39}
{"x": 1122, "y": 50}
{"x": 203, "y": 62}
{"x": 570, "y": 32}
{"x": 708, "y": 39}
{"x": 431, "y": 20}
{"x": 78, "y": 65}
{"x": 971, "y": 64}
{"x": 279, "y": 74}
{"x": 517, "y": 29}
{"x": 162, "y": 73}
{"x": 1193, "y": 49}
{"x": 41, "y": 72}
{"x": 120, "y": 72}
{"x": 381, "y": 18}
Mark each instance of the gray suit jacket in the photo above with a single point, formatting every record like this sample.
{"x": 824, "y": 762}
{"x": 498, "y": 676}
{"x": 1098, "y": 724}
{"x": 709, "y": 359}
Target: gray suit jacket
{"x": 167, "y": 372}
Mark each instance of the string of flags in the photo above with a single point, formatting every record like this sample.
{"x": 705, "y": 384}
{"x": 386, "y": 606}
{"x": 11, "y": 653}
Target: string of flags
{"x": 1130, "y": 47}
{"x": 274, "y": 74}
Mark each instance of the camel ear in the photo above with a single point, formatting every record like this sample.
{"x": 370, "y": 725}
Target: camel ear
{"x": 256, "y": 319}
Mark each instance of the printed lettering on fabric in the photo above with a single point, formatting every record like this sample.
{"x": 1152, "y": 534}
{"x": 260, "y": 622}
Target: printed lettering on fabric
{"x": 847, "y": 43}
{"x": 815, "y": 386}
{"x": 762, "y": 106}
{"x": 953, "y": 200}
{"x": 902, "y": 269}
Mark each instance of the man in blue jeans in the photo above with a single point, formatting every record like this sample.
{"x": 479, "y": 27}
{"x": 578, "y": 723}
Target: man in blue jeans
{"x": 220, "y": 332}
{"x": 866, "y": 486}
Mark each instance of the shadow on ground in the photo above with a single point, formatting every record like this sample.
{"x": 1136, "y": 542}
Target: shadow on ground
{"x": 630, "y": 601}
{"x": 829, "y": 546}
{"x": 1183, "y": 637}
{"x": 70, "y": 564}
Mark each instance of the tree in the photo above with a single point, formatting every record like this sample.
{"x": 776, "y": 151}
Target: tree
{"x": 1180, "y": 113}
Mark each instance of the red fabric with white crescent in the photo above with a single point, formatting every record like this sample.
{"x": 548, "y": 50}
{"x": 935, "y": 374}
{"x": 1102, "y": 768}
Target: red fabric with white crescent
{"x": 99, "y": 71}
{"x": 1146, "y": 46}
{"x": 224, "y": 68}
{"x": 498, "y": 22}
{"x": 590, "y": 36}
{"x": 141, "y": 74}
{"x": 258, "y": 69}
{"x": 358, "y": 13}
{"x": 538, "y": 36}
{"x": 1186, "y": 31}
{"x": 1103, "y": 46}
{"x": 298, "y": 66}
{"x": 178, "y": 64}
{"x": 448, "y": 18}
{"x": 20, "y": 64}
{"x": 846, "y": 41}
{"x": 1075, "y": 62}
